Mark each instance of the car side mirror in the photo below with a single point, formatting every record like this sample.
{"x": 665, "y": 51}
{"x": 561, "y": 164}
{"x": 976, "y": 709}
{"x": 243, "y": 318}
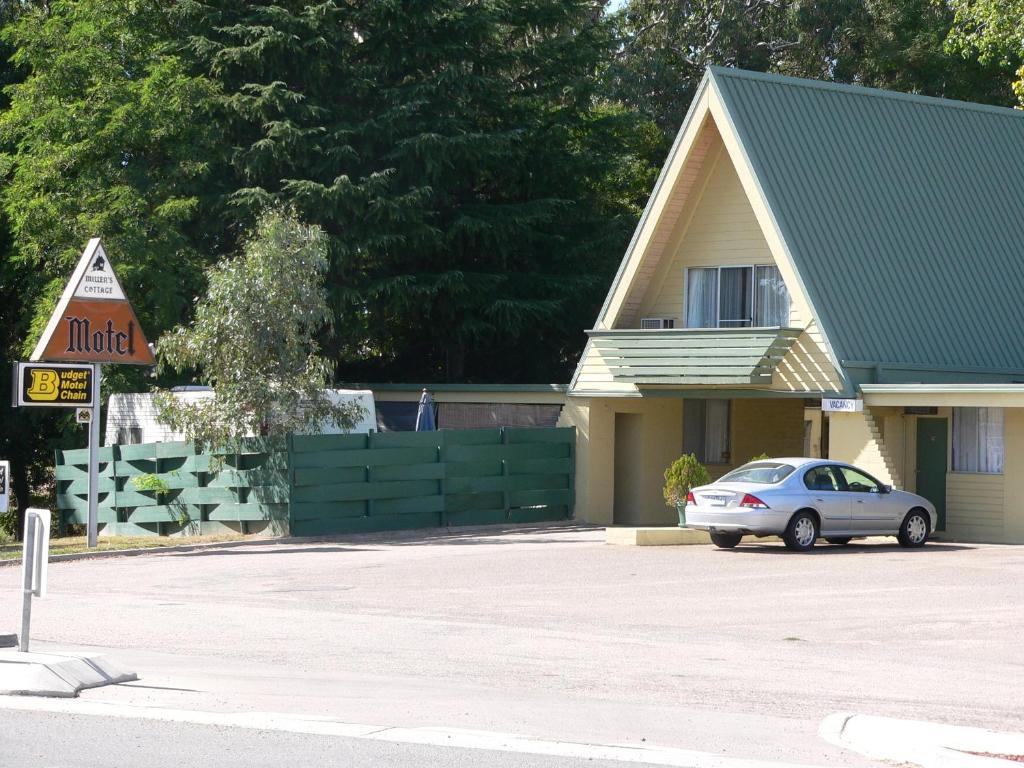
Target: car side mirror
{"x": 886, "y": 489}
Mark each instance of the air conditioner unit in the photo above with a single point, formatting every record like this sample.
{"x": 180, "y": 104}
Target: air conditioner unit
{"x": 657, "y": 323}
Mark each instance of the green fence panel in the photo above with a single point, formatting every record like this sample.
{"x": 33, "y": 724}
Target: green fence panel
{"x": 331, "y": 484}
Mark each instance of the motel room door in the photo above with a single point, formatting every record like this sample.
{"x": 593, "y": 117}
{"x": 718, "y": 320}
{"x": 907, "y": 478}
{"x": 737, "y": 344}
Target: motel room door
{"x": 932, "y": 439}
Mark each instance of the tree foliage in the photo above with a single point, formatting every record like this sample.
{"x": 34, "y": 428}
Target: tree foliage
{"x": 456, "y": 154}
{"x": 894, "y": 44}
{"x": 253, "y": 341}
{"x": 992, "y": 31}
{"x": 106, "y": 136}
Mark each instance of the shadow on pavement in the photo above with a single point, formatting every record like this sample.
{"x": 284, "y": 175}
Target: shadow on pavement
{"x": 848, "y": 549}
{"x": 283, "y": 549}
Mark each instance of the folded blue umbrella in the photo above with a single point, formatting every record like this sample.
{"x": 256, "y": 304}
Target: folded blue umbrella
{"x": 425, "y": 421}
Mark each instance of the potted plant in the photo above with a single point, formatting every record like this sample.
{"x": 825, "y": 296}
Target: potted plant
{"x": 685, "y": 474}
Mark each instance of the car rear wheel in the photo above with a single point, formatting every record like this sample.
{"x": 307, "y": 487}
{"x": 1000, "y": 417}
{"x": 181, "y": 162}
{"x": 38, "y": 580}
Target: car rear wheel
{"x": 726, "y": 540}
{"x": 914, "y": 529}
{"x": 839, "y": 541}
{"x": 802, "y": 532}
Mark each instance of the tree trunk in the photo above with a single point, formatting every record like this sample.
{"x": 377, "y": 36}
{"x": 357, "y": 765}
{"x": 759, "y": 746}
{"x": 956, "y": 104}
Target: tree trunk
{"x": 19, "y": 481}
{"x": 455, "y": 364}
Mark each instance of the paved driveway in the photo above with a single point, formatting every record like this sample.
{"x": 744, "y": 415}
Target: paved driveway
{"x": 550, "y": 633}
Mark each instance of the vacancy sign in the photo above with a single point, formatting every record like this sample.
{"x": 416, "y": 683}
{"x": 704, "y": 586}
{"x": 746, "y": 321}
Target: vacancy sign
{"x": 94, "y": 322}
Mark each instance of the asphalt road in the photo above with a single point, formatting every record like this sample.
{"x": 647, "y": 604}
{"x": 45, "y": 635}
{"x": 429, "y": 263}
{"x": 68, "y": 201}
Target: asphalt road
{"x": 555, "y": 635}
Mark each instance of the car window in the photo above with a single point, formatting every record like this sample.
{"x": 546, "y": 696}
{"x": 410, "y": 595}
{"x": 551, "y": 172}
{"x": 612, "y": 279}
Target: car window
{"x": 858, "y": 482}
{"x": 767, "y": 472}
{"x": 820, "y": 479}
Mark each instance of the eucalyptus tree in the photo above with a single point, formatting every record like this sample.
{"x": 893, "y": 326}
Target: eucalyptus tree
{"x": 253, "y": 340}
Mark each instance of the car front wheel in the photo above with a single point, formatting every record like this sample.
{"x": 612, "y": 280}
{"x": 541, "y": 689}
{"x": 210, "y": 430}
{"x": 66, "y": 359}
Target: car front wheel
{"x": 725, "y": 540}
{"x": 914, "y": 530}
{"x": 802, "y": 532}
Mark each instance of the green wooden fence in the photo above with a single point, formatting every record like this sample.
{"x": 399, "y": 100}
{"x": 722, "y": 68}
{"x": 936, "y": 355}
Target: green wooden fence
{"x": 326, "y": 484}
{"x": 245, "y": 491}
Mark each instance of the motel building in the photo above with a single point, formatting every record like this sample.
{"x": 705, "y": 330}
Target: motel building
{"x": 808, "y": 242}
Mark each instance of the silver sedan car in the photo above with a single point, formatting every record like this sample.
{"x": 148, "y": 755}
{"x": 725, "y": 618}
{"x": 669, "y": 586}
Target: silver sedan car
{"x": 802, "y": 499}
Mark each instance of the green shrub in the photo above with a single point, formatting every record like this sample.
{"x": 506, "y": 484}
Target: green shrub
{"x": 685, "y": 473}
{"x": 151, "y": 483}
{"x": 760, "y": 457}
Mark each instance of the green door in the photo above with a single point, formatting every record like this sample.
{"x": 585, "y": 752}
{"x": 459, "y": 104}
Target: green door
{"x": 931, "y": 464}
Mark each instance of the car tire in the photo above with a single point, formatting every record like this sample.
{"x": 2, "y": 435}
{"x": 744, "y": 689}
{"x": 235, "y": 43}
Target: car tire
{"x": 802, "y": 532}
{"x": 839, "y": 541}
{"x": 726, "y": 540}
{"x": 914, "y": 529}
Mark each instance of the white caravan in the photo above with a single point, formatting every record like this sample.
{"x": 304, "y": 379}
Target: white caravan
{"x": 132, "y": 419}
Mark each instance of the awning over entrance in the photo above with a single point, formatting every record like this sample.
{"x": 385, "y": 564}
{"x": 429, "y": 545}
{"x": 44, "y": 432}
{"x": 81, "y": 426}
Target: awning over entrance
{"x": 713, "y": 356}
{"x": 939, "y": 395}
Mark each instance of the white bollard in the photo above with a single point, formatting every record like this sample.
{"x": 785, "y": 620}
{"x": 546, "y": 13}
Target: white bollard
{"x": 35, "y": 556}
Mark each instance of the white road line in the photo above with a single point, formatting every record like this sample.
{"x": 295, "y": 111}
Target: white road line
{"x": 442, "y": 737}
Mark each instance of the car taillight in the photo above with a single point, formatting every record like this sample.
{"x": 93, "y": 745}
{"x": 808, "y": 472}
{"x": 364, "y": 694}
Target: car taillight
{"x": 690, "y": 499}
{"x": 752, "y": 502}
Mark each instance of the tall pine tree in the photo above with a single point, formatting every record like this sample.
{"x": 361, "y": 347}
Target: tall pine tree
{"x": 457, "y": 155}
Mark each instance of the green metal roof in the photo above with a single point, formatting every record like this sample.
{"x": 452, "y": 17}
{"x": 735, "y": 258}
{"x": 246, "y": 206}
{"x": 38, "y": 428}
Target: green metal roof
{"x": 904, "y": 216}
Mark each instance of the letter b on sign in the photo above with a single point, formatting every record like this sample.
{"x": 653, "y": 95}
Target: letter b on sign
{"x": 45, "y": 384}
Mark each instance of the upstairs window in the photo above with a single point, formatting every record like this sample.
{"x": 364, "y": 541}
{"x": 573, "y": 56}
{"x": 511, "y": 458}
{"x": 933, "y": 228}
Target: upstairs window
{"x": 736, "y": 297}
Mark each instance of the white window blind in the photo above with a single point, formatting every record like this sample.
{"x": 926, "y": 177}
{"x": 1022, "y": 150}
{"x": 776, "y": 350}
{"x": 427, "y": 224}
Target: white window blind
{"x": 978, "y": 440}
{"x": 706, "y": 430}
{"x": 736, "y": 297}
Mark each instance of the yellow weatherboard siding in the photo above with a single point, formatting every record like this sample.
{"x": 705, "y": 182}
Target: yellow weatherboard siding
{"x": 716, "y": 226}
{"x": 979, "y": 507}
{"x": 773, "y": 426}
{"x": 855, "y": 439}
{"x": 974, "y": 506}
{"x": 722, "y": 231}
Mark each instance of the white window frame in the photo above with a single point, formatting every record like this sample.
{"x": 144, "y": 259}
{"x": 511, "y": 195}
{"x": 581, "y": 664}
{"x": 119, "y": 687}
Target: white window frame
{"x": 718, "y": 297}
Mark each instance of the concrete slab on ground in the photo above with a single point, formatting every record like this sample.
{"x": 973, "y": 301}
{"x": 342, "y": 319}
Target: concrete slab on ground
{"x": 654, "y": 536}
{"x": 60, "y": 675}
{"x": 666, "y": 536}
{"x": 931, "y": 745}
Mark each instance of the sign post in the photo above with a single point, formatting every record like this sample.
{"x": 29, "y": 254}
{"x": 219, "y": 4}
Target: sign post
{"x": 93, "y": 323}
{"x": 35, "y": 556}
{"x": 5, "y": 484}
{"x": 94, "y": 464}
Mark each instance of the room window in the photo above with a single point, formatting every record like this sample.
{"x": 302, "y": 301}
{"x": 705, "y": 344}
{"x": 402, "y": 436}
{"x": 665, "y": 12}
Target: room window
{"x": 736, "y": 297}
{"x": 978, "y": 440}
{"x": 706, "y": 430}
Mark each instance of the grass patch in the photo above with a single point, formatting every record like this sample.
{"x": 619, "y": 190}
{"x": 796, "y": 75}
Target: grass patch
{"x": 73, "y": 544}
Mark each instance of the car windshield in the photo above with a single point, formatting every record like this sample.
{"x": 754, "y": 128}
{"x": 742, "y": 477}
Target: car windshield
{"x": 766, "y": 472}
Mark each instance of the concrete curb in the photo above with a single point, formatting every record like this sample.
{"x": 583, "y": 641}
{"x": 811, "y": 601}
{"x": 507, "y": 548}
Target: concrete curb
{"x": 60, "y": 675}
{"x": 930, "y": 745}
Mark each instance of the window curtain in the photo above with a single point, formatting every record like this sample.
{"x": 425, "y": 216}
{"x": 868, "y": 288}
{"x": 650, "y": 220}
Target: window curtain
{"x": 702, "y": 298}
{"x": 771, "y": 299}
{"x": 735, "y": 298}
{"x": 978, "y": 440}
{"x": 716, "y": 432}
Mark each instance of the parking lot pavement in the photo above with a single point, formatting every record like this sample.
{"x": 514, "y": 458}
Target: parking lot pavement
{"x": 550, "y": 633}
